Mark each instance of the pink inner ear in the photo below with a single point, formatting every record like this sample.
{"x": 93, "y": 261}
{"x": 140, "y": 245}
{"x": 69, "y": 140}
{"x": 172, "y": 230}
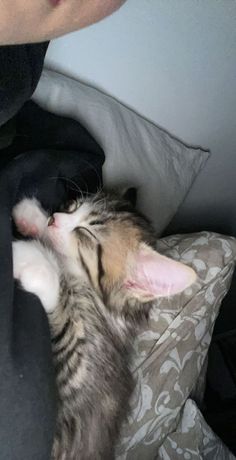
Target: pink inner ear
{"x": 155, "y": 275}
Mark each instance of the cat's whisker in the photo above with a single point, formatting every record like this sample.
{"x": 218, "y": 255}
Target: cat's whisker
{"x": 91, "y": 166}
{"x": 76, "y": 189}
{"x": 70, "y": 181}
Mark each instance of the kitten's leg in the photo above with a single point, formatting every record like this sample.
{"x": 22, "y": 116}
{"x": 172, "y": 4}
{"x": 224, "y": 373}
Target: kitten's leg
{"x": 30, "y": 218}
{"x": 38, "y": 272}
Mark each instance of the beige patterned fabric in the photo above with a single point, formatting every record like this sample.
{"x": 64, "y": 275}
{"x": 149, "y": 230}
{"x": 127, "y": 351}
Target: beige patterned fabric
{"x": 193, "y": 439}
{"x": 170, "y": 358}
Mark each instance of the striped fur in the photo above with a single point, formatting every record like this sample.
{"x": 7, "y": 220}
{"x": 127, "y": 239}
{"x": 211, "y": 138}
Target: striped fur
{"x": 94, "y": 324}
{"x": 92, "y": 332}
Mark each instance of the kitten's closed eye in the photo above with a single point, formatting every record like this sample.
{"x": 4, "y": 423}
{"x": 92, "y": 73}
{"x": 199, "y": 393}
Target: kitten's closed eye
{"x": 97, "y": 222}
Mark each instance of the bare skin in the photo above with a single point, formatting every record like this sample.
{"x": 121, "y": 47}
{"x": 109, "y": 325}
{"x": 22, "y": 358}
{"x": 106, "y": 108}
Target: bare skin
{"x": 28, "y": 21}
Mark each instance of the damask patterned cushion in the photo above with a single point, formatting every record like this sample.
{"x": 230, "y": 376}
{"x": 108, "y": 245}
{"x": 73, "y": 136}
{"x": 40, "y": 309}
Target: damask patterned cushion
{"x": 193, "y": 439}
{"x": 171, "y": 352}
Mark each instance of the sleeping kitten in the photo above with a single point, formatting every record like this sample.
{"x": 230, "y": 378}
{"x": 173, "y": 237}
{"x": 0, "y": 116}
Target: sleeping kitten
{"x": 96, "y": 273}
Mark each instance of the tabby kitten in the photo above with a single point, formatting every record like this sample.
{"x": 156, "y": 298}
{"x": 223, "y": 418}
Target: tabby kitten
{"x": 96, "y": 272}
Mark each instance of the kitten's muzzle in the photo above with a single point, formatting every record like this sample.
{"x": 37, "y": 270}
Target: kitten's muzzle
{"x": 63, "y": 221}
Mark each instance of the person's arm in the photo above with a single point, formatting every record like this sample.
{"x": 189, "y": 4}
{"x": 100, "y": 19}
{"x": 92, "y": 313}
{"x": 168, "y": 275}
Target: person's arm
{"x": 30, "y": 21}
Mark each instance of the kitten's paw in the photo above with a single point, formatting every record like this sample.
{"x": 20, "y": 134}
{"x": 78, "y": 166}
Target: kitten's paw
{"x": 37, "y": 270}
{"x": 30, "y": 218}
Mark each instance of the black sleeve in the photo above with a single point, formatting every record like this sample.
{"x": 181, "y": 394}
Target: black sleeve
{"x": 52, "y": 158}
{"x": 20, "y": 70}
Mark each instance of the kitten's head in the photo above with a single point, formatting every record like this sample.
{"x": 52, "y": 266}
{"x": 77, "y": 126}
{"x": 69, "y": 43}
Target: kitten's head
{"x": 112, "y": 245}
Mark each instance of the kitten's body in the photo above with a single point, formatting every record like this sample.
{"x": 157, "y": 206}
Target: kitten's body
{"x": 92, "y": 269}
{"x": 93, "y": 377}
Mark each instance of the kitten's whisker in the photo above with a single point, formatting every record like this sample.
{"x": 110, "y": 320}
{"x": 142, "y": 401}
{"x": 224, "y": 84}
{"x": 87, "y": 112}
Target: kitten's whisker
{"x": 76, "y": 189}
{"x": 94, "y": 169}
{"x": 66, "y": 179}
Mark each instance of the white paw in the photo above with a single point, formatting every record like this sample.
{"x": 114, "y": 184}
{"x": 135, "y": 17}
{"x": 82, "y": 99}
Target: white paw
{"x": 30, "y": 218}
{"x": 37, "y": 270}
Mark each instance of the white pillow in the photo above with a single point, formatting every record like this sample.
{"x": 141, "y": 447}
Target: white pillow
{"x": 138, "y": 153}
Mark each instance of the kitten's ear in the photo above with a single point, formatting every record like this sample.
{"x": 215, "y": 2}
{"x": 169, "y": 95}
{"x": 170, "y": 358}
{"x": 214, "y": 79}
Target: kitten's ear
{"x": 151, "y": 275}
{"x": 130, "y": 195}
